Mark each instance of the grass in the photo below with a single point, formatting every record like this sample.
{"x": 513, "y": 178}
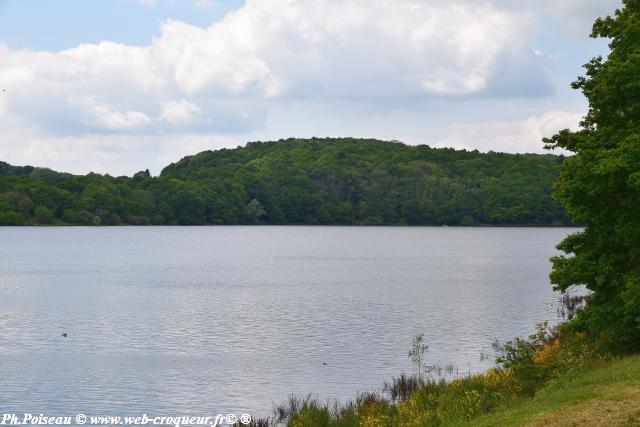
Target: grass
{"x": 607, "y": 395}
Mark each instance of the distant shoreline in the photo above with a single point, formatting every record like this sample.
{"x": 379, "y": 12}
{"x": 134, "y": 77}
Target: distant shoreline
{"x": 331, "y": 181}
{"x": 289, "y": 225}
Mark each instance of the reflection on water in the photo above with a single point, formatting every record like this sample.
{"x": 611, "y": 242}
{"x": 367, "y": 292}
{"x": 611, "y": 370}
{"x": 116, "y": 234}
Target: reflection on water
{"x": 180, "y": 320}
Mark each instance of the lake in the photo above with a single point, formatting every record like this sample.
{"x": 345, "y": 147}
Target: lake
{"x": 201, "y": 320}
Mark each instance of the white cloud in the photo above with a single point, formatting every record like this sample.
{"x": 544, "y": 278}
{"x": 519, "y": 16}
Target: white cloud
{"x": 116, "y": 120}
{"x": 520, "y": 136}
{"x": 116, "y": 155}
{"x": 579, "y": 15}
{"x": 180, "y": 112}
{"x": 382, "y": 51}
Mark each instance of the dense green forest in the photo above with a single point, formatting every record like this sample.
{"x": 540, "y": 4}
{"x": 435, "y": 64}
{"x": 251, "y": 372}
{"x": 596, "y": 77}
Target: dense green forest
{"x": 295, "y": 181}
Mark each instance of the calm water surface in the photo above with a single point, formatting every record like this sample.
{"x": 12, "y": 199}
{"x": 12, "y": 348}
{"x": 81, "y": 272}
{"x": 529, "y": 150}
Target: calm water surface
{"x": 179, "y": 320}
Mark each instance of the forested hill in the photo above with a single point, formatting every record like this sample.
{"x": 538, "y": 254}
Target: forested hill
{"x": 294, "y": 181}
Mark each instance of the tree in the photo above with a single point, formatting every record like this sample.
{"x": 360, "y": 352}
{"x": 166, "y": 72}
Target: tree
{"x": 25, "y": 205}
{"x": 78, "y": 217}
{"x": 600, "y": 187}
{"x": 254, "y": 211}
{"x": 43, "y": 215}
{"x": 416, "y": 354}
{"x": 11, "y": 218}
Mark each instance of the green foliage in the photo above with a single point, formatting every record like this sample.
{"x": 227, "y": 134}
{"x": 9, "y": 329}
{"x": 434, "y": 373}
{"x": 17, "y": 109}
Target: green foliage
{"x": 294, "y": 181}
{"x": 416, "y": 354}
{"x": 77, "y": 217}
{"x": 43, "y": 215}
{"x": 546, "y": 354}
{"x": 521, "y": 351}
{"x": 254, "y": 211}
{"x": 600, "y": 187}
{"x": 11, "y": 218}
{"x": 518, "y": 356}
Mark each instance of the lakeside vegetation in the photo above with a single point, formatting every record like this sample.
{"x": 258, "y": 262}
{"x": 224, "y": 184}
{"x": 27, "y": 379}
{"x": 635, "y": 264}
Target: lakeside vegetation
{"x": 525, "y": 368}
{"x": 565, "y": 381}
{"x": 341, "y": 181}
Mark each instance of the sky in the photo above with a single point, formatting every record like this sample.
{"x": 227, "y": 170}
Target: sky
{"x": 118, "y": 86}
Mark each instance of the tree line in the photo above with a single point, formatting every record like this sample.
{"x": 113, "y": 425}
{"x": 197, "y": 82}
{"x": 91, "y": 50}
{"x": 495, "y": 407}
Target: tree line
{"x": 298, "y": 181}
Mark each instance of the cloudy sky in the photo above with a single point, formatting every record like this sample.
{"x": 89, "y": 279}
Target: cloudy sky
{"x": 116, "y": 86}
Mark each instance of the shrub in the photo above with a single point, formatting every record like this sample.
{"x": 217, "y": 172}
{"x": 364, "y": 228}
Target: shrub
{"x": 82, "y": 217}
{"x": 43, "y": 215}
{"x": 401, "y": 387}
{"x": 11, "y": 218}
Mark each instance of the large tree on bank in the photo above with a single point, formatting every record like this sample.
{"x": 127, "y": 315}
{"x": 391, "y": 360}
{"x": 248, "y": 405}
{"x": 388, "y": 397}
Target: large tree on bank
{"x": 600, "y": 187}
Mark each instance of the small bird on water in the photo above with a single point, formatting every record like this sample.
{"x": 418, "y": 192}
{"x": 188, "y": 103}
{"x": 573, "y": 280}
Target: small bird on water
{"x": 64, "y": 334}
{"x": 324, "y": 363}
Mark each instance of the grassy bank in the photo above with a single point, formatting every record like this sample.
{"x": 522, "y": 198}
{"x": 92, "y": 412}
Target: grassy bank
{"x": 608, "y": 395}
{"x": 551, "y": 378}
